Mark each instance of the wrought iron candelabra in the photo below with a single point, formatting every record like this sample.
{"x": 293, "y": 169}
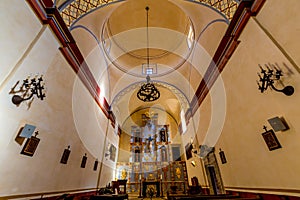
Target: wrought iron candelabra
{"x": 28, "y": 89}
{"x": 148, "y": 92}
{"x": 267, "y": 78}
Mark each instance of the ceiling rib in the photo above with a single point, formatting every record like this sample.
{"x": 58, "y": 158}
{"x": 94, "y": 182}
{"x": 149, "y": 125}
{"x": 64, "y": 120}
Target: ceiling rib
{"x": 69, "y": 49}
{"x": 49, "y": 15}
{"x": 225, "y": 49}
{"x": 77, "y": 8}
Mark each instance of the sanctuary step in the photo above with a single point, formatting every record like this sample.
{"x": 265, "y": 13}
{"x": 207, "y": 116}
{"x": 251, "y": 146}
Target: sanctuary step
{"x": 208, "y": 197}
{"x": 109, "y": 197}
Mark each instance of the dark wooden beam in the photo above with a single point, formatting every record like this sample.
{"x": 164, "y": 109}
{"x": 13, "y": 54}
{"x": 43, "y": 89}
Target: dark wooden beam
{"x": 48, "y": 14}
{"x": 225, "y": 49}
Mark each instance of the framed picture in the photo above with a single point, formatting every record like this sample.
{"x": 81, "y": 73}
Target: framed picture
{"x": 65, "y": 156}
{"x": 30, "y": 146}
{"x": 112, "y": 151}
{"x": 162, "y": 135}
{"x": 95, "y": 165}
{"x": 83, "y": 161}
{"x": 271, "y": 140}
{"x": 188, "y": 150}
{"x": 222, "y": 157}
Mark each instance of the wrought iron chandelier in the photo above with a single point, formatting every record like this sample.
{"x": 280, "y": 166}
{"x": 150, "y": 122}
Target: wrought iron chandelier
{"x": 29, "y": 88}
{"x": 148, "y": 92}
{"x": 268, "y": 79}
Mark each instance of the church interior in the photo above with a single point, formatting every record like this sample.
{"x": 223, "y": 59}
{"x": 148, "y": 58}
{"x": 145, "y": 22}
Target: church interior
{"x": 150, "y": 99}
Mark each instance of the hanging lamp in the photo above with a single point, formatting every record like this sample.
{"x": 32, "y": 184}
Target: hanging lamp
{"x": 148, "y": 92}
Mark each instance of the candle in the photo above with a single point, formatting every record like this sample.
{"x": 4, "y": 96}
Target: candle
{"x": 161, "y": 176}
{"x": 140, "y": 177}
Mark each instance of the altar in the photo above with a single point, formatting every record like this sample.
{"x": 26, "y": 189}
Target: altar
{"x": 154, "y": 162}
{"x": 155, "y": 183}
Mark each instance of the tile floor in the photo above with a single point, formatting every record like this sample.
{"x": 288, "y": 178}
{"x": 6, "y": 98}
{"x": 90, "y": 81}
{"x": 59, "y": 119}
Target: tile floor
{"x": 134, "y": 196}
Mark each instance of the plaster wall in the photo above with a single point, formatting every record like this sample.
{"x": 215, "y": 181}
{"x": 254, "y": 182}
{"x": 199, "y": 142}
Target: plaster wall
{"x": 109, "y": 166}
{"x": 58, "y": 117}
{"x": 11, "y": 54}
{"x": 280, "y": 19}
{"x": 194, "y": 165}
{"x": 206, "y": 21}
{"x": 251, "y": 166}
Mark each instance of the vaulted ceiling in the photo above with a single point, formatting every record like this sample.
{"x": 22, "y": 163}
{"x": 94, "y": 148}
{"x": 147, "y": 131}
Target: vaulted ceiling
{"x": 180, "y": 42}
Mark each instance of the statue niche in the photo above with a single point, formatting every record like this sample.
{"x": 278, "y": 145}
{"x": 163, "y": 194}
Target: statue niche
{"x": 149, "y": 141}
{"x": 163, "y": 154}
{"x": 137, "y": 154}
{"x": 162, "y": 135}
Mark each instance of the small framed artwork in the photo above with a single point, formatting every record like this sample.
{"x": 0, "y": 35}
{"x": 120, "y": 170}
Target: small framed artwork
{"x": 271, "y": 140}
{"x": 83, "y": 161}
{"x": 95, "y": 165}
{"x": 188, "y": 150}
{"x": 162, "y": 134}
{"x": 222, "y": 156}
{"x": 65, "y": 156}
{"x": 30, "y": 146}
{"x": 112, "y": 151}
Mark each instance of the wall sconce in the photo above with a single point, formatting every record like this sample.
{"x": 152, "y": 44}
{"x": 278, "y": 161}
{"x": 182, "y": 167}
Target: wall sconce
{"x": 267, "y": 79}
{"x": 28, "y": 89}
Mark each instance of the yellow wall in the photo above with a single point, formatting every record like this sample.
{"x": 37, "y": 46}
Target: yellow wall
{"x": 29, "y": 48}
{"x": 187, "y": 137}
{"x": 69, "y": 116}
{"x": 250, "y": 164}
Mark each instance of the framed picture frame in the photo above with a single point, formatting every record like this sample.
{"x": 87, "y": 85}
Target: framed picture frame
{"x": 162, "y": 135}
{"x": 222, "y": 156}
{"x": 95, "y": 165}
{"x": 83, "y": 161}
{"x": 112, "y": 151}
{"x": 65, "y": 156}
{"x": 188, "y": 150}
{"x": 271, "y": 140}
{"x": 30, "y": 146}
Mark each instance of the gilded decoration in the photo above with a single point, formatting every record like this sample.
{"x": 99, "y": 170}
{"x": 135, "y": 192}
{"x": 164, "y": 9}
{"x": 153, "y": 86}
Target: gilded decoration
{"x": 178, "y": 172}
{"x": 123, "y": 174}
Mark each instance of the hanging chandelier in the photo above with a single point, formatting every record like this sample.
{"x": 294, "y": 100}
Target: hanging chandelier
{"x": 148, "y": 92}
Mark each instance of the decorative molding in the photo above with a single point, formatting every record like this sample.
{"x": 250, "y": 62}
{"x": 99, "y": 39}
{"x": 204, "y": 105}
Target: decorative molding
{"x": 264, "y": 190}
{"x": 75, "y": 9}
{"x": 50, "y": 15}
{"x": 226, "y": 48}
{"x": 256, "y": 6}
{"x": 43, "y": 194}
{"x": 78, "y": 8}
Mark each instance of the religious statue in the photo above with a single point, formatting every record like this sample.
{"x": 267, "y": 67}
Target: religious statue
{"x": 123, "y": 174}
{"x": 178, "y": 172}
{"x": 148, "y": 146}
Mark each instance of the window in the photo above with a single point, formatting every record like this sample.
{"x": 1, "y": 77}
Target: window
{"x": 190, "y": 38}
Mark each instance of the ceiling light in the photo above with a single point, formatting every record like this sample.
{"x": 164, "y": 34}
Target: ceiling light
{"x": 148, "y": 92}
